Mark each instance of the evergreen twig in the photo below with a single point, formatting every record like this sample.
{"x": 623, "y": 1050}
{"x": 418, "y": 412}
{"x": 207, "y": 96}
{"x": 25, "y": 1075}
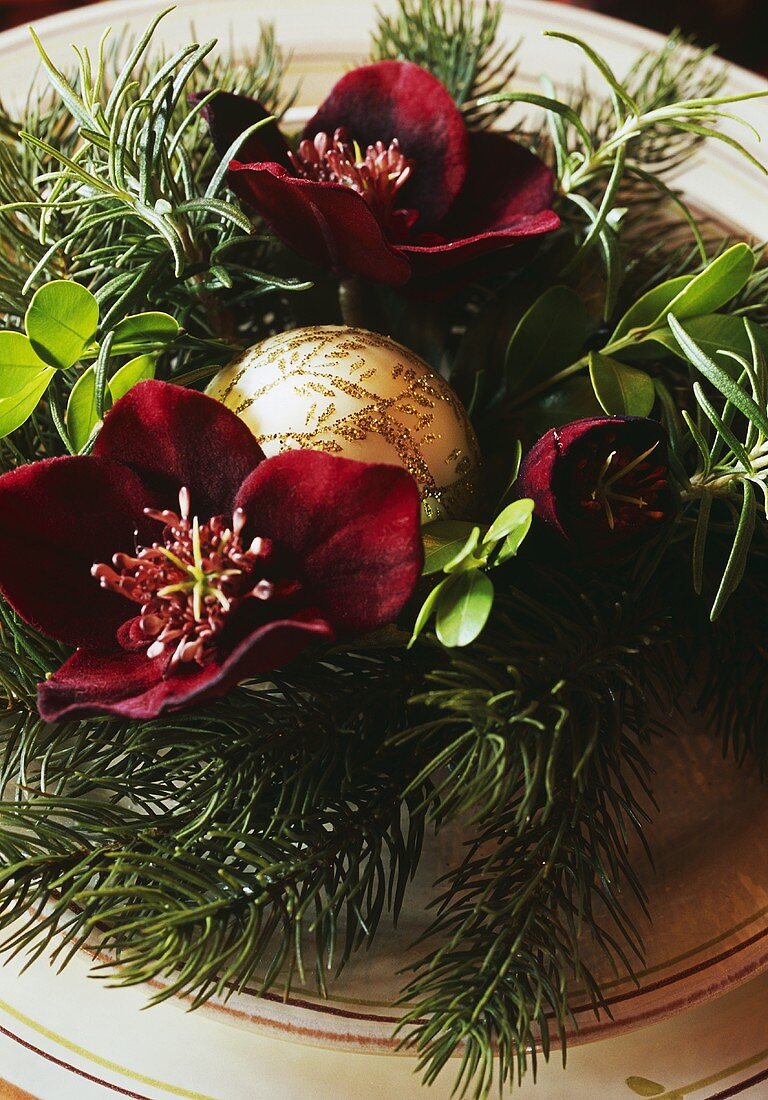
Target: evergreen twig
{"x": 539, "y": 732}
{"x": 457, "y": 43}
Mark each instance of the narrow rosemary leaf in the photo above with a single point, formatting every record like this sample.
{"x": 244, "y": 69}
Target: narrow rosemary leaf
{"x": 710, "y": 133}
{"x": 699, "y": 440}
{"x": 700, "y": 542}
{"x": 607, "y": 203}
{"x": 553, "y": 106}
{"x": 718, "y": 377}
{"x": 722, "y": 429}
{"x": 623, "y": 101}
{"x": 614, "y": 267}
{"x": 737, "y": 559}
{"x": 676, "y": 198}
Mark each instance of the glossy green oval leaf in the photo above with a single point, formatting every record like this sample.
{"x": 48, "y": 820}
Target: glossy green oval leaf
{"x": 652, "y": 307}
{"x": 465, "y": 558}
{"x": 573, "y": 399}
{"x": 715, "y": 333}
{"x": 26, "y": 388}
{"x": 513, "y": 542}
{"x": 463, "y": 608}
{"x": 514, "y": 516}
{"x": 142, "y": 329}
{"x": 443, "y": 540}
{"x": 548, "y": 338}
{"x": 514, "y": 539}
{"x": 427, "y": 609}
{"x": 715, "y": 285}
{"x": 130, "y": 374}
{"x": 82, "y": 416}
{"x": 15, "y": 380}
{"x": 16, "y": 352}
{"x": 61, "y": 322}
{"x": 621, "y": 390}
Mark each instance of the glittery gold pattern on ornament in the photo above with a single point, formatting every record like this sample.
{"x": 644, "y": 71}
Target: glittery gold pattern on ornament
{"x": 351, "y": 392}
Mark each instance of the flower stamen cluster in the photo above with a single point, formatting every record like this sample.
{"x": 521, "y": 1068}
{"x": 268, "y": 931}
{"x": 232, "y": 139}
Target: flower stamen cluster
{"x": 625, "y": 484}
{"x": 188, "y": 585}
{"x": 377, "y": 175}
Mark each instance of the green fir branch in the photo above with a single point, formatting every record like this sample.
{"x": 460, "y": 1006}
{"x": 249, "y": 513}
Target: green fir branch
{"x": 729, "y": 664}
{"x": 532, "y": 705}
{"x": 540, "y": 733}
{"x": 457, "y": 42}
{"x": 247, "y": 838}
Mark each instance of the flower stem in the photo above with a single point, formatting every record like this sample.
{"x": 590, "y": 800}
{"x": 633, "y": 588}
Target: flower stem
{"x": 351, "y": 302}
{"x": 549, "y": 383}
{"x": 191, "y": 376}
{"x": 567, "y": 372}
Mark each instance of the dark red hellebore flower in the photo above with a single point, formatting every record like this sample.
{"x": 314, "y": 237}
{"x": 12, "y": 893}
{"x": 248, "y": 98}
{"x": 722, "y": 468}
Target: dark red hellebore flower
{"x": 387, "y": 181}
{"x": 179, "y": 561}
{"x": 602, "y": 483}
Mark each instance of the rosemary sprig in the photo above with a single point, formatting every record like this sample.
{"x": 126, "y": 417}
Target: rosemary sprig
{"x": 109, "y": 182}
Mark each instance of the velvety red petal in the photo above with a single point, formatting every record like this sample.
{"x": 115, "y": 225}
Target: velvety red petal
{"x": 228, "y": 115}
{"x": 537, "y": 476}
{"x": 397, "y": 99}
{"x": 325, "y": 222}
{"x": 353, "y": 527}
{"x": 57, "y": 518}
{"x": 507, "y": 196}
{"x": 505, "y": 181}
{"x": 432, "y": 259}
{"x": 172, "y": 436}
{"x": 129, "y": 684}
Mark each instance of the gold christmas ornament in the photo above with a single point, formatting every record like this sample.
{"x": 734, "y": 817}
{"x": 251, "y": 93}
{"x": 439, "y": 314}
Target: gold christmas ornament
{"x": 354, "y": 393}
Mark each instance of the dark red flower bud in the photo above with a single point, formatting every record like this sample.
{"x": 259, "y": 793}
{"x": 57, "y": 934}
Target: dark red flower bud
{"x": 602, "y": 484}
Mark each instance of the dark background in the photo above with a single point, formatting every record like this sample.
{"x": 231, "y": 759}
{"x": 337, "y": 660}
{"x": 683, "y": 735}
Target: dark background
{"x": 739, "y": 27}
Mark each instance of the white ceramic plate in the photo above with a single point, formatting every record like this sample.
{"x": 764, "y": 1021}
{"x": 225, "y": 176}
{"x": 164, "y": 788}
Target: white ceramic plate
{"x": 709, "y": 895}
